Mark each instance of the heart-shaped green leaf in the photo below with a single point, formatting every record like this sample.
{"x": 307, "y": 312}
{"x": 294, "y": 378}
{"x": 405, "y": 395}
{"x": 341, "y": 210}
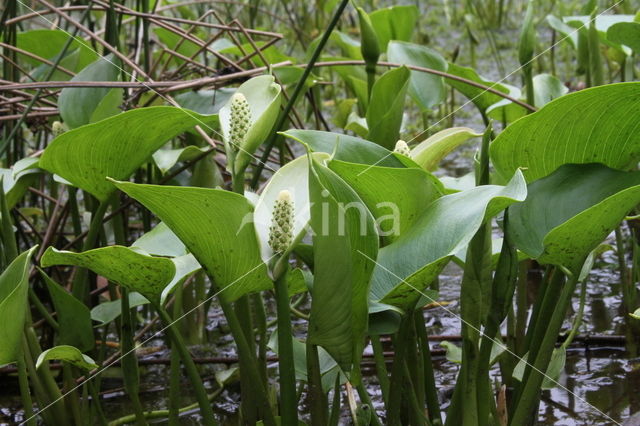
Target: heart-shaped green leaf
{"x": 135, "y": 270}
{"x": 345, "y": 243}
{"x": 431, "y": 151}
{"x": 568, "y": 213}
{"x": 627, "y": 33}
{"x": 395, "y": 196}
{"x": 345, "y": 147}
{"x": 415, "y": 259}
{"x": 115, "y": 147}
{"x": 14, "y": 288}
{"x": 68, "y": 354}
{"x": 603, "y": 130}
{"x": 263, "y": 96}
{"x": 394, "y": 23}
{"x": 427, "y": 90}
{"x": 73, "y": 317}
{"x": 216, "y": 226}
{"x": 386, "y": 106}
{"x": 78, "y": 104}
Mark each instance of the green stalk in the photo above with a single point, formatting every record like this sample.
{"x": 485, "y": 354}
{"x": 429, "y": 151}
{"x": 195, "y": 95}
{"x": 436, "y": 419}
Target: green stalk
{"x": 318, "y": 404}
{"x": 396, "y": 390}
{"x": 381, "y": 368}
{"x": 130, "y": 372}
{"x": 288, "y": 397}
{"x": 533, "y": 377}
{"x": 25, "y": 392}
{"x": 174, "y": 375}
{"x": 366, "y": 399}
{"x": 192, "y": 371}
{"x": 334, "y": 418}
{"x": 595, "y": 59}
{"x": 261, "y": 330}
{"x": 80, "y": 288}
{"x": 431, "y": 392}
{"x": 72, "y": 398}
{"x": 269, "y": 143}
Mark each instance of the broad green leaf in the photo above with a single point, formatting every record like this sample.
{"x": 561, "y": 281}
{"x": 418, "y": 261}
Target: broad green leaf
{"x": 430, "y": 152}
{"x": 427, "y": 90}
{"x": 68, "y": 354}
{"x": 386, "y": 106}
{"x": 350, "y": 46}
{"x": 394, "y": 23}
{"x": 216, "y": 226}
{"x": 115, "y": 147}
{"x": 547, "y": 88}
{"x": 635, "y": 314}
{"x": 205, "y": 101}
{"x": 108, "y": 106}
{"x": 627, "y": 33}
{"x": 263, "y": 96}
{"x": 345, "y": 243}
{"x": 78, "y": 104}
{"x": 409, "y": 265}
{"x": 132, "y": 269}
{"x": 161, "y": 241}
{"x": 49, "y": 43}
{"x": 293, "y": 177}
{"x": 14, "y": 290}
{"x": 72, "y": 315}
{"x": 185, "y": 266}
{"x": 106, "y": 312}
{"x": 345, "y": 147}
{"x": 603, "y": 130}
{"x": 165, "y": 159}
{"x": 568, "y": 213}
{"x": 395, "y": 196}
{"x": 15, "y": 183}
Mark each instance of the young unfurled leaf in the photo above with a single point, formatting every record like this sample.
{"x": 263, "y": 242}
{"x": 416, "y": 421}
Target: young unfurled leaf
{"x": 386, "y": 106}
{"x": 14, "y": 288}
{"x": 345, "y": 244}
{"x": 431, "y": 151}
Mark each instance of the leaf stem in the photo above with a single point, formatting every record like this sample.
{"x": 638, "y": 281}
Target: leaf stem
{"x": 288, "y": 394}
{"x": 192, "y": 371}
